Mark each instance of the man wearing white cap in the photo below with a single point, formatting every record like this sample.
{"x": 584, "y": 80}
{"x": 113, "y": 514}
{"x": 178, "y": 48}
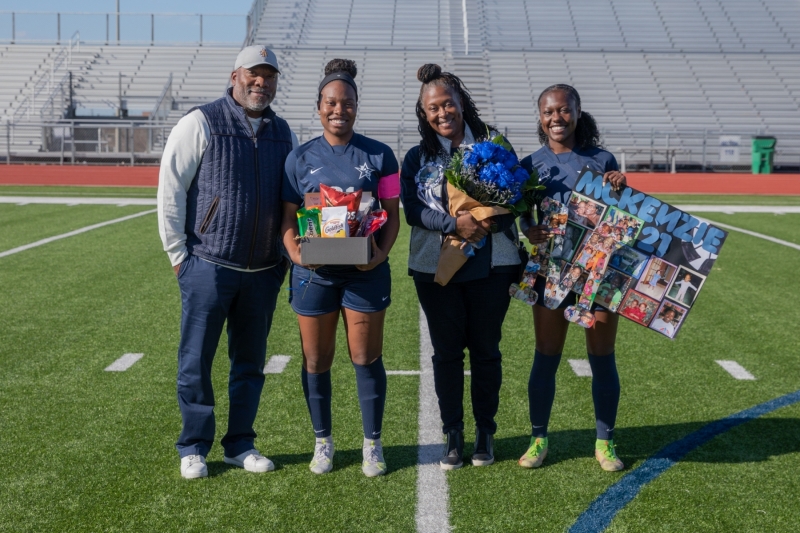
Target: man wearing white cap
{"x": 219, "y": 220}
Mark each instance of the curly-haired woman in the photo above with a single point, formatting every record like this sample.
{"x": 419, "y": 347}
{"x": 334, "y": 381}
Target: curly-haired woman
{"x": 467, "y": 312}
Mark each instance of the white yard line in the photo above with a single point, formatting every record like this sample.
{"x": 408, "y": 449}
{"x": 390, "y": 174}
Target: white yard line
{"x": 581, "y": 367}
{"x": 73, "y": 200}
{"x": 276, "y": 364}
{"x": 731, "y": 209}
{"x": 736, "y": 370}
{"x": 433, "y": 514}
{"x": 73, "y": 233}
{"x": 124, "y": 363}
{"x": 754, "y": 234}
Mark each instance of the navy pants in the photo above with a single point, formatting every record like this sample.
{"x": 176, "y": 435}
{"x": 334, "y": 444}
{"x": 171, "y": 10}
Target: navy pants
{"x": 210, "y": 295}
{"x": 467, "y": 315}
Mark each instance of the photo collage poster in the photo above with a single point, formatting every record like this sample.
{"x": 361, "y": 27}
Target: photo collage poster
{"x": 655, "y": 277}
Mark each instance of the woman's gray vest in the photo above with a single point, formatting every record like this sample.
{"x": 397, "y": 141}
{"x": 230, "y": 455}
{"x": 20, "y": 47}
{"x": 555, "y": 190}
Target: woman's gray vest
{"x": 233, "y": 208}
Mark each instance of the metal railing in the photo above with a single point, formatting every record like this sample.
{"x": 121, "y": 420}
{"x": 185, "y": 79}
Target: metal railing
{"x": 163, "y": 105}
{"x": 46, "y": 82}
{"x": 142, "y": 141}
{"x": 31, "y": 27}
{"x": 253, "y": 21}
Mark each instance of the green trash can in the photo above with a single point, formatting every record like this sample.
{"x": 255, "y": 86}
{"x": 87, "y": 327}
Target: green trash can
{"x": 763, "y": 151}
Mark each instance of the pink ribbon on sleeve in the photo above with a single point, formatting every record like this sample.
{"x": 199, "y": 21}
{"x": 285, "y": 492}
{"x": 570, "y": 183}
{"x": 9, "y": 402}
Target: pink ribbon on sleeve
{"x": 389, "y": 186}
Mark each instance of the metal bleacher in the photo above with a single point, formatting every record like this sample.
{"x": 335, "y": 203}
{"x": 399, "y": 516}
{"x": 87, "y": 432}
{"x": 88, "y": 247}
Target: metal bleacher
{"x": 664, "y": 78}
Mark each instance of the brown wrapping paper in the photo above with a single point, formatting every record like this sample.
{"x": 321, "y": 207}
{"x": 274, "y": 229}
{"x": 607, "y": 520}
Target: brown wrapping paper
{"x": 451, "y": 256}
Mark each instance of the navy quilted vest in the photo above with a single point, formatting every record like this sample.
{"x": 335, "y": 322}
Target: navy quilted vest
{"x": 233, "y": 214}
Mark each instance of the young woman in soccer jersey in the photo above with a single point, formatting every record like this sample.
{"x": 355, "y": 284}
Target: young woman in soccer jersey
{"x": 570, "y": 140}
{"x": 468, "y": 312}
{"x": 360, "y": 294}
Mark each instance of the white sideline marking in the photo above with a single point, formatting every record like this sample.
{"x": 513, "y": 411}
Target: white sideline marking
{"x": 581, "y": 367}
{"x": 736, "y": 370}
{"x": 72, "y": 201}
{"x": 124, "y": 363}
{"x": 731, "y": 209}
{"x": 754, "y": 234}
{"x": 402, "y": 372}
{"x": 73, "y": 233}
{"x": 276, "y": 364}
{"x": 433, "y": 515}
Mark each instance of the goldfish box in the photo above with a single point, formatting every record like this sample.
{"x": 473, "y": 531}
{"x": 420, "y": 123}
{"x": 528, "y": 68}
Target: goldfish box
{"x": 342, "y": 251}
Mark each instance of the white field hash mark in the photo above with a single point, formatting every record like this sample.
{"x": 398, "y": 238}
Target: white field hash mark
{"x": 581, "y": 367}
{"x": 73, "y": 233}
{"x": 124, "y": 363}
{"x": 736, "y": 370}
{"x": 432, "y": 514}
{"x": 276, "y": 364}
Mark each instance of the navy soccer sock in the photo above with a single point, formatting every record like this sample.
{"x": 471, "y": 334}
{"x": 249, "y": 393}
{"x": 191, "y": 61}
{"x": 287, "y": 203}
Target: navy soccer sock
{"x": 542, "y": 391}
{"x": 605, "y": 393}
{"x": 371, "y": 383}
{"x": 317, "y": 390}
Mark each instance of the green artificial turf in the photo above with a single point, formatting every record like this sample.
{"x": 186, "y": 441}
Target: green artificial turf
{"x": 783, "y": 227}
{"x": 68, "y": 191}
{"x": 728, "y": 199}
{"x": 88, "y": 450}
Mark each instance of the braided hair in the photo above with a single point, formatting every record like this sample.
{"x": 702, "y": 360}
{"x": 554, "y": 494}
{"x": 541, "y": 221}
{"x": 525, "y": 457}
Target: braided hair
{"x": 586, "y": 133}
{"x": 431, "y": 75}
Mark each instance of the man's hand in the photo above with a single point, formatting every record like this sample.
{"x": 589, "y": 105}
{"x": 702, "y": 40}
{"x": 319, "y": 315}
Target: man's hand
{"x": 470, "y": 229}
{"x": 616, "y": 179}
{"x": 176, "y": 269}
{"x": 538, "y": 234}
{"x": 378, "y": 257}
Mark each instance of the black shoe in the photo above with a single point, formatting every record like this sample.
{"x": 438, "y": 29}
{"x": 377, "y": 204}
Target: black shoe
{"x": 453, "y": 451}
{"x": 484, "y": 449}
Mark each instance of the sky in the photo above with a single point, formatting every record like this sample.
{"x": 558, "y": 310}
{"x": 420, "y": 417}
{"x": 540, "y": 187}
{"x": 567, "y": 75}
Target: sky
{"x": 44, "y": 27}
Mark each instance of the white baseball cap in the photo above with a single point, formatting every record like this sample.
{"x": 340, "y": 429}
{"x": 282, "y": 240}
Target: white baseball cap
{"x": 252, "y": 56}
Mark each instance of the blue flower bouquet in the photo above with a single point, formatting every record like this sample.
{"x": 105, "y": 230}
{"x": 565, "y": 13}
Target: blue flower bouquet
{"x": 485, "y": 179}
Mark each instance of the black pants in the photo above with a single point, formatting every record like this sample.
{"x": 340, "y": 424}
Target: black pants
{"x": 467, "y": 315}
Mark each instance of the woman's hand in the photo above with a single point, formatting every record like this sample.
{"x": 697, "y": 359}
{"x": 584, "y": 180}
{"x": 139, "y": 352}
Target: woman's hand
{"x": 616, "y": 178}
{"x": 378, "y": 257}
{"x": 538, "y": 234}
{"x": 470, "y": 229}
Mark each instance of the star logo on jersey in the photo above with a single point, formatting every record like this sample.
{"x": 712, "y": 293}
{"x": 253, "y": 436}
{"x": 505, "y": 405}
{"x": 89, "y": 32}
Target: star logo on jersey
{"x": 364, "y": 171}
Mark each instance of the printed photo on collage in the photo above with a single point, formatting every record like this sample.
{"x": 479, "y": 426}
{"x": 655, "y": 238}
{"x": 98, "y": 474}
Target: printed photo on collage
{"x": 564, "y": 246}
{"x": 554, "y": 214}
{"x": 657, "y": 276}
{"x": 686, "y": 286}
{"x": 698, "y": 257}
{"x": 629, "y": 261}
{"x": 668, "y": 318}
{"x": 612, "y": 289}
{"x": 638, "y": 307}
{"x": 585, "y": 211}
{"x": 624, "y": 227}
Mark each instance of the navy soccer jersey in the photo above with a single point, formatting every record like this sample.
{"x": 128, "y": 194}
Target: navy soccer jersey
{"x": 560, "y": 172}
{"x": 360, "y": 164}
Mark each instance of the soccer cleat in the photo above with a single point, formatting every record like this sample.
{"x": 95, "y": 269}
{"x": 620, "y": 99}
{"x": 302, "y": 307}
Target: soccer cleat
{"x": 606, "y": 456}
{"x": 484, "y": 449}
{"x": 534, "y": 456}
{"x": 252, "y": 461}
{"x": 453, "y": 451}
{"x": 193, "y": 466}
{"x": 322, "y": 463}
{"x": 373, "y": 464}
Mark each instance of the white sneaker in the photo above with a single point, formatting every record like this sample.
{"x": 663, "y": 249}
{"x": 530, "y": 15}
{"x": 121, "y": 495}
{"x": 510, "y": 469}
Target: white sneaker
{"x": 252, "y": 461}
{"x": 194, "y": 466}
{"x": 322, "y": 463}
{"x": 373, "y": 464}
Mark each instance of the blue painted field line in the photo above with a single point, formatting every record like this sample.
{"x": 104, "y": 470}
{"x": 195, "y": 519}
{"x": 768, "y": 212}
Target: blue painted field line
{"x": 603, "y": 510}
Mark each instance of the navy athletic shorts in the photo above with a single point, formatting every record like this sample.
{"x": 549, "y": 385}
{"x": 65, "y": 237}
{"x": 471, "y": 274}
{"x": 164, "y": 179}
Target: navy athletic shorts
{"x": 330, "y": 289}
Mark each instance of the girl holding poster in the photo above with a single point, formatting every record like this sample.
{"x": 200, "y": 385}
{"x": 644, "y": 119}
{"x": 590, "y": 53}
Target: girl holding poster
{"x": 570, "y": 140}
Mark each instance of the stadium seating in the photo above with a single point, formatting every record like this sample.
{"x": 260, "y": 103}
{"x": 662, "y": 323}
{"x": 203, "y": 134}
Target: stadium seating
{"x": 663, "y": 78}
